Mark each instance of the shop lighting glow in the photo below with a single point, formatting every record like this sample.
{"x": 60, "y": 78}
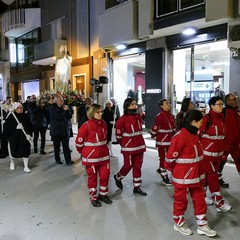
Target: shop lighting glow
{"x": 121, "y": 46}
{"x": 189, "y": 31}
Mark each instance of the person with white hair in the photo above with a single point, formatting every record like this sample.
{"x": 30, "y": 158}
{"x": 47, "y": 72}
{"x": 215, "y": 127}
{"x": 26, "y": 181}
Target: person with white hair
{"x": 17, "y": 129}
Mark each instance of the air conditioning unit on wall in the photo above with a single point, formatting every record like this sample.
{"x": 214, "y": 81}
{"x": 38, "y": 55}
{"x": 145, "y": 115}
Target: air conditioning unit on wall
{"x": 234, "y": 35}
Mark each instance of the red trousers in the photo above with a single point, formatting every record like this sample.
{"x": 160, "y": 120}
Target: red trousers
{"x": 161, "y": 154}
{"x": 181, "y": 201}
{"x": 133, "y": 162}
{"x": 212, "y": 181}
{"x": 103, "y": 171}
{"x": 234, "y": 151}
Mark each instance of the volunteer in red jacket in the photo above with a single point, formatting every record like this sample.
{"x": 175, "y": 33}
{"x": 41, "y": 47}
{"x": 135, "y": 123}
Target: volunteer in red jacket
{"x": 91, "y": 143}
{"x": 163, "y": 129}
{"x": 129, "y": 135}
{"x": 212, "y": 135}
{"x": 232, "y": 135}
{"x": 184, "y": 163}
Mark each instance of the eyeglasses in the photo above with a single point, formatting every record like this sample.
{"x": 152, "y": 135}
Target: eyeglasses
{"x": 219, "y": 104}
{"x": 233, "y": 99}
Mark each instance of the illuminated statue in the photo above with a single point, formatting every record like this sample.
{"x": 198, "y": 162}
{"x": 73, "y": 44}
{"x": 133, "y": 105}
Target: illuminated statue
{"x": 63, "y": 70}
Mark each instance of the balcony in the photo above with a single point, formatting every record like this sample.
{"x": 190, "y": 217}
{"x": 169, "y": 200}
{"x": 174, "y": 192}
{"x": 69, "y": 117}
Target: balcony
{"x": 17, "y": 22}
{"x": 129, "y": 22}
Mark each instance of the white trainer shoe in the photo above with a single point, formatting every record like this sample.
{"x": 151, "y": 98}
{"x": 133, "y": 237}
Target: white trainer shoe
{"x": 183, "y": 229}
{"x": 209, "y": 201}
{"x": 12, "y": 166}
{"x": 224, "y": 208}
{"x": 27, "y": 170}
{"x": 206, "y": 230}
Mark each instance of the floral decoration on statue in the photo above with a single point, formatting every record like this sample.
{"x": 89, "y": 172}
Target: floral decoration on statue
{"x": 72, "y": 98}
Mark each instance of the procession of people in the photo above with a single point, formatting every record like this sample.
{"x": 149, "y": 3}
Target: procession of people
{"x": 191, "y": 157}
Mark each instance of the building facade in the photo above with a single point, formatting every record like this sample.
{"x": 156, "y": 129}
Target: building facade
{"x": 137, "y": 44}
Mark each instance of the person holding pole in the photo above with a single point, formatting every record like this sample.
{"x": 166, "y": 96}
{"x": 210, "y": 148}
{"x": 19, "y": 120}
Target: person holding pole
{"x": 17, "y": 129}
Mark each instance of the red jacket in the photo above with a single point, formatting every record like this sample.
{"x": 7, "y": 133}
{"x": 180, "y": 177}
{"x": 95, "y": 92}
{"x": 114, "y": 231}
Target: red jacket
{"x": 129, "y": 134}
{"x": 184, "y": 159}
{"x": 212, "y": 139}
{"x": 91, "y": 142}
{"x": 232, "y": 126}
{"x": 164, "y": 128}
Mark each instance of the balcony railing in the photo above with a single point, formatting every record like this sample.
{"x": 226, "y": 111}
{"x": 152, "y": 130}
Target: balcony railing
{"x": 13, "y": 19}
{"x": 19, "y": 21}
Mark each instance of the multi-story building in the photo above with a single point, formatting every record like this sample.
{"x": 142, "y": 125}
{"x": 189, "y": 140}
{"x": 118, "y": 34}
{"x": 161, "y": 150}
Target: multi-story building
{"x": 158, "y": 60}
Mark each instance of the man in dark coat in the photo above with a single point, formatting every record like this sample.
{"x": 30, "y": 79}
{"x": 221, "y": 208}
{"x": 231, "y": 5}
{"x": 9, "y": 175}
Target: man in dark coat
{"x": 59, "y": 117}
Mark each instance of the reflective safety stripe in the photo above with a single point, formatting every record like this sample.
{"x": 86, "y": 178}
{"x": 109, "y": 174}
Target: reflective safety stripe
{"x": 165, "y": 131}
{"x": 119, "y": 137}
{"x": 103, "y": 188}
{"x": 163, "y": 143}
{"x": 103, "y": 193}
{"x": 137, "y": 184}
{"x": 137, "y": 179}
{"x": 189, "y": 160}
{"x": 133, "y": 148}
{"x": 93, "y": 160}
{"x": 132, "y": 134}
{"x": 202, "y": 176}
{"x": 213, "y": 137}
{"x": 212, "y": 154}
{"x": 170, "y": 160}
{"x": 90, "y": 144}
{"x": 186, "y": 181}
{"x": 79, "y": 145}
{"x": 153, "y": 132}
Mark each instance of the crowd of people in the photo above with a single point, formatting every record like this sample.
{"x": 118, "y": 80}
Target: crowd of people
{"x": 192, "y": 148}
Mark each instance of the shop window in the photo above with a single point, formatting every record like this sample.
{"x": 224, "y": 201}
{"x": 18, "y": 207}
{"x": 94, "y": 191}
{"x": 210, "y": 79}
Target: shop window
{"x": 166, "y": 7}
{"x": 210, "y": 69}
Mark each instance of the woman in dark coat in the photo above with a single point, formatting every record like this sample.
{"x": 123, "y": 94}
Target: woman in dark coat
{"x": 18, "y": 131}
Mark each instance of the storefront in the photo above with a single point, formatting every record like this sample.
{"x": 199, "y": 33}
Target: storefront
{"x": 210, "y": 72}
{"x": 129, "y": 79}
{"x": 200, "y": 66}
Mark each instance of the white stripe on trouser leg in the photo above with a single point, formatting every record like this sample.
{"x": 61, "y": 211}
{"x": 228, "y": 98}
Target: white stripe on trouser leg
{"x": 93, "y": 193}
{"x": 103, "y": 190}
{"x": 201, "y": 219}
{"x": 180, "y": 218}
{"x": 137, "y": 182}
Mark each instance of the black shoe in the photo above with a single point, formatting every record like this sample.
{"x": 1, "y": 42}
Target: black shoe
{"x": 105, "y": 199}
{"x": 159, "y": 171}
{"x": 59, "y": 162}
{"x": 43, "y": 152}
{"x": 69, "y": 163}
{"x": 139, "y": 191}
{"x": 118, "y": 182}
{"x": 223, "y": 184}
{"x": 96, "y": 203}
{"x": 166, "y": 181}
{"x": 35, "y": 150}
